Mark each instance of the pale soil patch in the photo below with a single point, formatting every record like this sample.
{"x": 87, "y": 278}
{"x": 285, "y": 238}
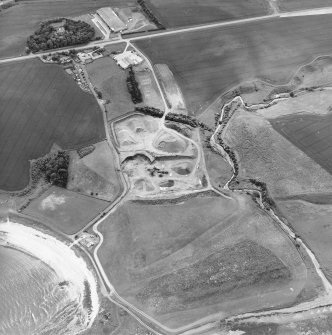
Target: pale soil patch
{"x": 52, "y": 202}
{"x": 143, "y": 133}
{"x": 171, "y": 89}
{"x": 158, "y": 161}
{"x": 265, "y": 155}
{"x": 149, "y": 89}
{"x": 68, "y": 215}
{"x": 152, "y": 244}
{"x": 95, "y": 174}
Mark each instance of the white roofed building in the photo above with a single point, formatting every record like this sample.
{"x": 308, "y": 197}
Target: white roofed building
{"x": 128, "y": 58}
{"x": 110, "y": 18}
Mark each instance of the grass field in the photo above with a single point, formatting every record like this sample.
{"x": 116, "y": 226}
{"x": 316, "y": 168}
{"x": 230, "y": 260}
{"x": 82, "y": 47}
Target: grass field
{"x": 209, "y": 62}
{"x": 176, "y": 13}
{"x": 311, "y": 133}
{"x": 20, "y": 21}
{"x": 218, "y": 168}
{"x": 291, "y": 5}
{"x": 110, "y": 79}
{"x": 265, "y": 155}
{"x": 40, "y": 106}
{"x": 65, "y": 211}
{"x": 95, "y": 174}
{"x": 313, "y": 223}
{"x": 183, "y": 261}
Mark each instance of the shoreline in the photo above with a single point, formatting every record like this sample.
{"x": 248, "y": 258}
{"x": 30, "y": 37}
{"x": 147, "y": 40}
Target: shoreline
{"x": 80, "y": 281}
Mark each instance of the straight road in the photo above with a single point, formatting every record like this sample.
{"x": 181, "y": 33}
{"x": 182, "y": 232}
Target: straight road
{"x": 314, "y": 11}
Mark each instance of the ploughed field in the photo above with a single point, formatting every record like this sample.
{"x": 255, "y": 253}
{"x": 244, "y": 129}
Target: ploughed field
{"x": 209, "y": 62}
{"x": 182, "y": 260}
{"x": 41, "y": 106}
{"x": 20, "y": 21}
{"x": 176, "y": 13}
{"x": 290, "y": 5}
{"x": 310, "y": 133}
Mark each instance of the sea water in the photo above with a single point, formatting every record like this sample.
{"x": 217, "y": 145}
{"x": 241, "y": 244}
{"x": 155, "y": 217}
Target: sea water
{"x": 32, "y": 298}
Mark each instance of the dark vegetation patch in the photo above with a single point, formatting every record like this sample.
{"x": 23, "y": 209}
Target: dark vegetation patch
{"x": 209, "y": 62}
{"x": 310, "y": 133}
{"x": 70, "y": 32}
{"x": 40, "y": 106}
{"x": 241, "y": 265}
{"x": 180, "y": 118}
{"x": 54, "y": 168}
{"x": 132, "y": 86}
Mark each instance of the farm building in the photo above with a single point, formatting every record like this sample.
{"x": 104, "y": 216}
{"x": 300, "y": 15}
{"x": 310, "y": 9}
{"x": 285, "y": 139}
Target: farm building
{"x": 127, "y": 58}
{"x": 110, "y": 18}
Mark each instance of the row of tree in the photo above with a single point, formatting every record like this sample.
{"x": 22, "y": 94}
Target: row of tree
{"x": 133, "y": 89}
{"x": 180, "y": 118}
{"x": 48, "y": 37}
{"x": 150, "y": 14}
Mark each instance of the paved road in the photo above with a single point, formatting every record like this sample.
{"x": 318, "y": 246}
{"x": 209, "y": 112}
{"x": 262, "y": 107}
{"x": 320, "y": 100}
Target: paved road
{"x": 315, "y": 11}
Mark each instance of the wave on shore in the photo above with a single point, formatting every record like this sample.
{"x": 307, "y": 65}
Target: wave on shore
{"x": 52, "y": 292}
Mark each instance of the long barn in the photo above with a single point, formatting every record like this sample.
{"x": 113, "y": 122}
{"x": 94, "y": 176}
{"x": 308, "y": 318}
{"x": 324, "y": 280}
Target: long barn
{"x": 110, "y": 18}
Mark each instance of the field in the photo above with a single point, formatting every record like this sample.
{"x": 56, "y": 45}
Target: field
{"x": 265, "y": 155}
{"x": 110, "y": 79}
{"x": 311, "y": 133}
{"x": 63, "y": 210}
{"x": 291, "y": 5}
{"x": 209, "y": 62}
{"x": 95, "y": 174}
{"x": 182, "y": 261}
{"x": 313, "y": 223}
{"x": 20, "y": 21}
{"x": 177, "y": 13}
{"x": 41, "y": 106}
{"x": 218, "y": 168}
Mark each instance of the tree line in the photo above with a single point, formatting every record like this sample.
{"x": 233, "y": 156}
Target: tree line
{"x": 150, "y": 14}
{"x": 48, "y": 37}
{"x": 180, "y": 118}
{"x": 133, "y": 89}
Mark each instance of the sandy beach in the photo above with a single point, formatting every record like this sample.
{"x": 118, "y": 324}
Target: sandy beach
{"x": 76, "y": 279}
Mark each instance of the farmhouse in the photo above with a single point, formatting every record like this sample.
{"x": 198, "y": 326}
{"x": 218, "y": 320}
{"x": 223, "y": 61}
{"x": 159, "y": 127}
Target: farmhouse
{"x": 109, "y": 17}
{"x": 127, "y": 58}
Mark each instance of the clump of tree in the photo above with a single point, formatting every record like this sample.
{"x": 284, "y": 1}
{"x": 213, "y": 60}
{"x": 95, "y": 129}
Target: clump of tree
{"x": 48, "y": 37}
{"x": 150, "y": 14}
{"x": 133, "y": 89}
{"x": 267, "y": 200}
{"x": 54, "y": 169}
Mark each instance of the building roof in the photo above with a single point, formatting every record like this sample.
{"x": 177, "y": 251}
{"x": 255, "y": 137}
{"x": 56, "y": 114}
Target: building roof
{"x": 128, "y": 58}
{"x": 108, "y": 15}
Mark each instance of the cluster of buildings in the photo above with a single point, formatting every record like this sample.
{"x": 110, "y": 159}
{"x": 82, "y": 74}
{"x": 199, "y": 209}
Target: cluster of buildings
{"x": 88, "y": 57}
